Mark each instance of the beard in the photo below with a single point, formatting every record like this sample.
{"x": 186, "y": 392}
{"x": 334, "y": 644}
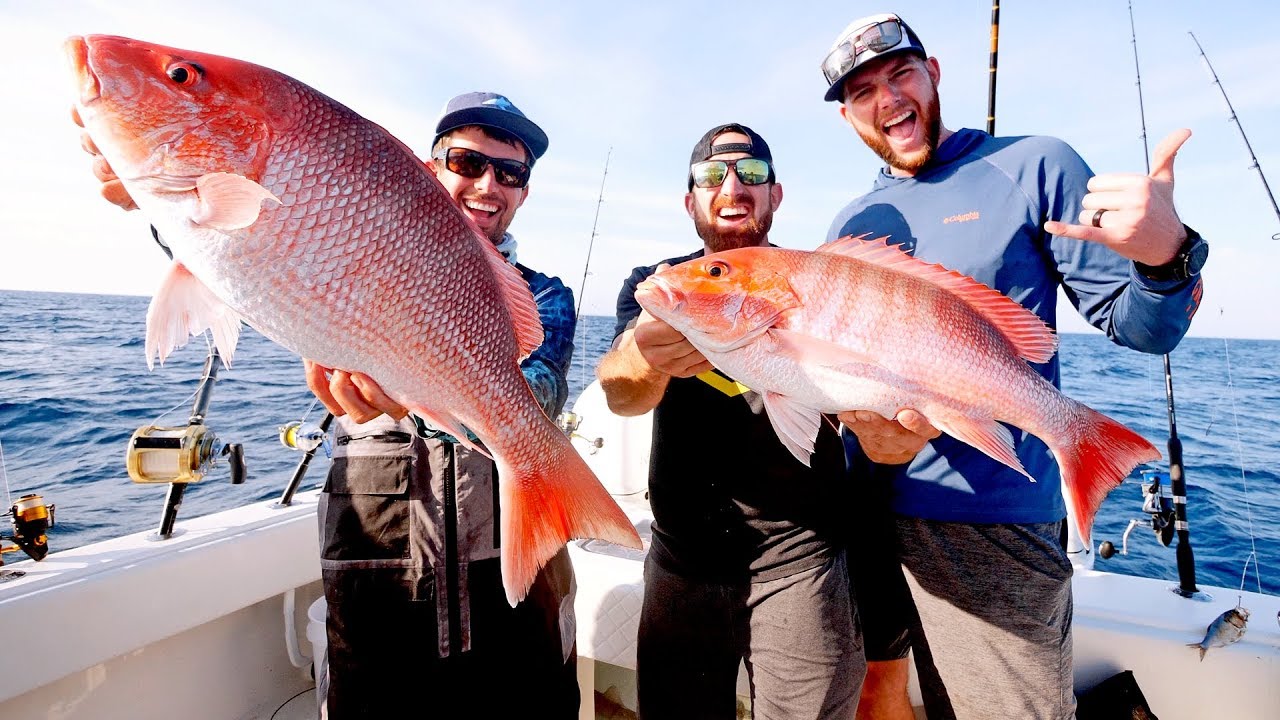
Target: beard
{"x": 931, "y": 117}
{"x": 753, "y": 232}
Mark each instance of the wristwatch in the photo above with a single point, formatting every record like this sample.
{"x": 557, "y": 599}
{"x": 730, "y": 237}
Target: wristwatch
{"x": 1185, "y": 265}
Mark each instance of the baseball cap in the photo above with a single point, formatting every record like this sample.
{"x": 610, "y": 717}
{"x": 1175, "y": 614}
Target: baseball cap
{"x": 756, "y": 148}
{"x": 495, "y": 111}
{"x": 862, "y": 41}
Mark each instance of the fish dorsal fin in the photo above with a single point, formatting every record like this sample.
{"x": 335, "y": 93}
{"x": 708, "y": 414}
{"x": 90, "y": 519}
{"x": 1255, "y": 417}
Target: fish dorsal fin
{"x": 1031, "y": 338}
{"x": 182, "y": 307}
{"x": 525, "y": 320}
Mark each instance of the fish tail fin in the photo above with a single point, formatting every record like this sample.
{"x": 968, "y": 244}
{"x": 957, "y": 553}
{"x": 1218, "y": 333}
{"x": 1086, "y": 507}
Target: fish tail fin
{"x": 1200, "y": 647}
{"x": 545, "y": 504}
{"x": 1095, "y": 458}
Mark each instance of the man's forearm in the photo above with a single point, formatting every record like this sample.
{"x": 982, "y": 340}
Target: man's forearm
{"x": 631, "y": 386}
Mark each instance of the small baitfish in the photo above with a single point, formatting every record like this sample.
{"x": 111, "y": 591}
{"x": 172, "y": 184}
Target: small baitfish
{"x": 1224, "y": 630}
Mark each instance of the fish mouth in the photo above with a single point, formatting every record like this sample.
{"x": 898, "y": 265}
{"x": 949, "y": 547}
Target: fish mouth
{"x": 656, "y": 292}
{"x": 88, "y": 88}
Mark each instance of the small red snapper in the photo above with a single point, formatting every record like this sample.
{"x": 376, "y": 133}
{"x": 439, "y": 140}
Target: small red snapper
{"x": 861, "y": 325}
{"x": 286, "y": 210}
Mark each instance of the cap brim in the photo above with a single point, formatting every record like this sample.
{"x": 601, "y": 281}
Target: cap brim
{"x": 836, "y": 90}
{"x": 523, "y": 128}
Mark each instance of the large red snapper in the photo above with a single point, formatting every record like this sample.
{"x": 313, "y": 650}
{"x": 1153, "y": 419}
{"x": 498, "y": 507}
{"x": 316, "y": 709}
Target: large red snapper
{"x": 359, "y": 260}
{"x": 861, "y": 325}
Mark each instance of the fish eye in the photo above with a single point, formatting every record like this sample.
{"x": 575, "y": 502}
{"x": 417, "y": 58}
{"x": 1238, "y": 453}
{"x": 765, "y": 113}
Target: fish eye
{"x": 184, "y": 73}
{"x": 718, "y": 269}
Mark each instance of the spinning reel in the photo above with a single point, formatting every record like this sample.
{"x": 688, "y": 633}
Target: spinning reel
{"x": 31, "y": 519}
{"x": 569, "y": 422}
{"x": 1159, "y": 509}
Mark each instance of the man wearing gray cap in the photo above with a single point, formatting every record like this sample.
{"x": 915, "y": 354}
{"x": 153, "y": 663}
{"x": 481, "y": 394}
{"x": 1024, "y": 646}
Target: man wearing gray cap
{"x": 745, "y": 566}
{"x": 418, "y": 623}
{"x": 980, "y": 552}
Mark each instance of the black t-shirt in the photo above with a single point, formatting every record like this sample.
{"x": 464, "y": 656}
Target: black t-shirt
{"x": 730, "y": 503}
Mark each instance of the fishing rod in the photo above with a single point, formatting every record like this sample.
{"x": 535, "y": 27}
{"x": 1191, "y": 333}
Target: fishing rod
{"x": 1234, "y": 118}
{"x": 185, "y": 454}
{"x": 991, "y": 68}
{"x": 1166, "y": 518}
{"x": 567, "y": 420}
{"x": 586, "y": 268}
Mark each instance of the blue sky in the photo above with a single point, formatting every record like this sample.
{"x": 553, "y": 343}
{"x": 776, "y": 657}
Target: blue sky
{"x": 643, "y": 81}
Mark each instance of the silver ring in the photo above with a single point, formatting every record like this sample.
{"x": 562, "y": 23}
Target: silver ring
{"x": 1097, "y": 218}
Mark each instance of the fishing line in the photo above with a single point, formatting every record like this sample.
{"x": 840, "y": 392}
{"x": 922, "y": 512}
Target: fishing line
{"x": 1244, "y": 478}
{"x": 208, "y": 348}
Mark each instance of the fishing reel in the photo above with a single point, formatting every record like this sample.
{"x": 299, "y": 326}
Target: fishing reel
{"x": 305, "y": 438}
{"x": 31, "y": 519}
{"x": 569, "y": 422}
{"x": 1159, "y": 509}
{"x": 180, "y": 455}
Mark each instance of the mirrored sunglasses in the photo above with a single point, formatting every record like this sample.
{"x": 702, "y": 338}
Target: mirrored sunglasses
{"x": 712, "y": 173}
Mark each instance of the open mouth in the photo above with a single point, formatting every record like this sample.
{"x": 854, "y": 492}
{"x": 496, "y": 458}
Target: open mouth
{"x": 901, "y": 126}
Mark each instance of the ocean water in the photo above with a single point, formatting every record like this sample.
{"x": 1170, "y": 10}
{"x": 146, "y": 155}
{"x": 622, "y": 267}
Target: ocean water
{"x": 74, "y": 385}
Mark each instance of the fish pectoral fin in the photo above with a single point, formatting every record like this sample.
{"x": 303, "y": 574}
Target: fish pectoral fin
{"x": 796, "y": 425}
{"x": 450, "y": 425}
{"x": 182, "y": 307}
{"x": 986, "y": 435}
{"x": 808, "y": 349}
{"x": 229, "y": 202}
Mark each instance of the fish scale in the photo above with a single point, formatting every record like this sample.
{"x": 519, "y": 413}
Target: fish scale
{"x": 287, "y": 210}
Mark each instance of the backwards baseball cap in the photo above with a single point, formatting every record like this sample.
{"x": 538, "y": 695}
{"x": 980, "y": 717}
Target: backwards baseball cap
{"x": 756, "y": 148}
{"x": 495, "y": 111}
{"x": 862, "y": 41}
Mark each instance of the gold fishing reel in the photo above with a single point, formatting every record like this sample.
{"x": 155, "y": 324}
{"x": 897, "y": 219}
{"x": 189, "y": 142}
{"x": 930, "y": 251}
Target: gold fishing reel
{"x": 179, "y": 454}
{"x": 31, "y": 519}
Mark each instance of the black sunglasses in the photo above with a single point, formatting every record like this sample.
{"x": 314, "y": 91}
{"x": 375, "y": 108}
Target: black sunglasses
{"x": 471, "y": 164}
{"x": 712, "y": 173}
{"x": 878, "y": 38}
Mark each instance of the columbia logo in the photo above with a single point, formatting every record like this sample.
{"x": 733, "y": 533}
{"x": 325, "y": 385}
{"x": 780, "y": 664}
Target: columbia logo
{"x": 963, "y": 217}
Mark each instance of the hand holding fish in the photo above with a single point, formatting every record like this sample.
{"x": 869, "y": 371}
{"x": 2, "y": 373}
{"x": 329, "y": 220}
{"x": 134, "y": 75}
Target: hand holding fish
{"x": 1131, "y": 213}
{"x": 112, "y": 187}
{"x": 666, "y": 349}
{"x": 890, "y": 442}
{"x": 354, "y": 394}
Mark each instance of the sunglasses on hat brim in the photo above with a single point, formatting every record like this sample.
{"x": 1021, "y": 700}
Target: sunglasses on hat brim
{"x": 878, "y": 38}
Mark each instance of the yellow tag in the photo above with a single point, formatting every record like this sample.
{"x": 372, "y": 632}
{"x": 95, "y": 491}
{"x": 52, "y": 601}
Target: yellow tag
{"x": 732, "y": 388}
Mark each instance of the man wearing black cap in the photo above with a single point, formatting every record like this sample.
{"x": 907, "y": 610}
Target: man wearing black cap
{"x": 418, "y": 623}
{"x": 743, "y": 566}
{"x": 983, "y": 549}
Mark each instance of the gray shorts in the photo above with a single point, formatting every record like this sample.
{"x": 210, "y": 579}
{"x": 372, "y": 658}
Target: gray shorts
{"x": 989, "y": 611}
{"x": 797, "y": 636}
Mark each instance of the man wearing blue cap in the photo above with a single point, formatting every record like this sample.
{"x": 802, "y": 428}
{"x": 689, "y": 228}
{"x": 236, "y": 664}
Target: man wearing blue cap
{"x": 418, "y": 623}
{"x": 973, "y": 548}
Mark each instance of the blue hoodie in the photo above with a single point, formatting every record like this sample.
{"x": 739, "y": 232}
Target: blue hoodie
{"x": 979, "y": 208}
